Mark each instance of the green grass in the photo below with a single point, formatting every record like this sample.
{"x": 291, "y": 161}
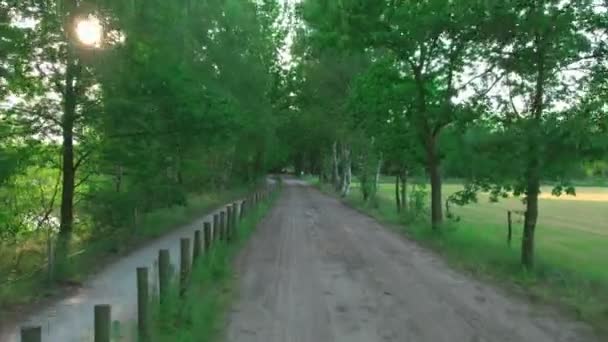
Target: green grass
{"x": 571, "y": 246}
{"x": 94, "y": 253}
{"x": 200, "y": 315}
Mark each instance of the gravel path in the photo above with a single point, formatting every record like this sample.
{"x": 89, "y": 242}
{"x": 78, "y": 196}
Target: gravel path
{"x": 317, "y": 271}
{"x": 71, "y": 319}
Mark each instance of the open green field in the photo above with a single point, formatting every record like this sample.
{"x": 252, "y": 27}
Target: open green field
{"x": 571, "y": 245}
{"x": 572, "y": 231}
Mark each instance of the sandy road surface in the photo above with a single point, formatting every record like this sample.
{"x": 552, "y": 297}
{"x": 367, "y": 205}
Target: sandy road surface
{"x": 317, "y": 271}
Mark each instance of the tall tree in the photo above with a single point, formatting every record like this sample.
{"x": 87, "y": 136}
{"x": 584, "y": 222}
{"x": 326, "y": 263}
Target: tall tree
{"x": 434, "y": 42}
{"x": 536, "y": 127}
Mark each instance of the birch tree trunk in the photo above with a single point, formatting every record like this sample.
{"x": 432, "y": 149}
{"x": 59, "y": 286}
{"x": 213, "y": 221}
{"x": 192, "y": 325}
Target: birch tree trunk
{"x": 335, "y": 177}
{"x": 346, "y": 171}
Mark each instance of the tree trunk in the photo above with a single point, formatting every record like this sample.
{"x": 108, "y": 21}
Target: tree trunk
{"x": 404, "y": 203}
{"x": 377, "y": 177}
{"x": 364, "y": 185}
{"x": 397, "y": 193}
{"x": 346, "y": 171}
{"x": 67, "y": 191}
{"x": 435, "y": 177}
{"x": 298, "y": 164}
{"x": 533, "y": 172}
{"x": 531, "y": 217}
{"x": 335, "y": 176}
{"x": 68, "y": 169}
{"x": 72, "y": 73}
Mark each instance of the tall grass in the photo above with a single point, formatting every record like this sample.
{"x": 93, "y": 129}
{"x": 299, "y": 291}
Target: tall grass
{"x": 199, "y": 316}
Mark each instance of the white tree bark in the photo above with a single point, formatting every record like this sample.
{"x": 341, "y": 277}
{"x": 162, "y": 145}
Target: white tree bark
{"x": 335, "y": 166}
{"x": 346, "y": 172}
{"x": 378, "y": 170}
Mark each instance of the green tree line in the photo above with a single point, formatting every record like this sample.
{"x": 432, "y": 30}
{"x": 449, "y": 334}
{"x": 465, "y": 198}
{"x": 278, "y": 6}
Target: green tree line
{"x": 175, "y": 97}
{"x": 503, "y": 94}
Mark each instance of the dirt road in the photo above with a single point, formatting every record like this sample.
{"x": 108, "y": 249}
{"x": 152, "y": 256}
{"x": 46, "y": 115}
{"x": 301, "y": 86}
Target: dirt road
{"x": 317, "y": 271}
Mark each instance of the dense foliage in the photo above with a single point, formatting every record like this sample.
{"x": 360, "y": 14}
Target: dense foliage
{"x": 503, "y": 94}
{"x": 173, "y": 98}
{"x": 188, "y": 96}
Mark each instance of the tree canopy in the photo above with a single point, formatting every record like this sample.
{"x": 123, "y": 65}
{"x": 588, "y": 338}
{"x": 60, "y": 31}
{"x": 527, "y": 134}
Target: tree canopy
{"x": 504, "y": 95}
{"x": 176, "y": 97}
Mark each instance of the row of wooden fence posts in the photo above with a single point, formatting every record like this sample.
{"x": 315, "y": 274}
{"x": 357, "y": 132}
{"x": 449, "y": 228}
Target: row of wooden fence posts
{"x": 224, "y": 229}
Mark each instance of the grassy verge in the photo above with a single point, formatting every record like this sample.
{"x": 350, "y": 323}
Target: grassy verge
{"x": 200, "y": 315}
{"x": 91, "y": 254}
{"x": 571, "y": 264}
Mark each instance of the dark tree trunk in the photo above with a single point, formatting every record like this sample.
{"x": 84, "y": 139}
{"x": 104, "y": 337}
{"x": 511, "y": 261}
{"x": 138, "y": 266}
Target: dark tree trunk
{"x": 436, "y": 204}
{"x": 68, "y": 169}
{"x": 434, "y": 171}
{"x": 335, "y": 176}
{"x": 533, "y": 172}
{"x": 429, "y": 139}
{"x": 179, "y": 176}
{"x": 531, "y": 217}
{"x": 404, "y": 202}
{"x": 298, "y": 164}
{"x": 397, "y": 193}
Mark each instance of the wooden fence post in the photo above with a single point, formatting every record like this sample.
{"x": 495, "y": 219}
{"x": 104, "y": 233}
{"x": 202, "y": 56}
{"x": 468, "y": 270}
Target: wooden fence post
{"x": 142, "y": 303}
{"x": 31, "y": 334}
{"x": 207, "y": 236}
{"x": 222, "y": 225}
{"x": 235, "y": 231}
{"x": 198, "y": 245}
{"x": 103, "y": 322}
{"x": 184, "y": 265}
{"x": 243, "y": 209}
{"x": 510, "y": 225}
{"x": 216, "y": 227}
{"x": 164, "y": 266}
{"x": 229, "y": 227}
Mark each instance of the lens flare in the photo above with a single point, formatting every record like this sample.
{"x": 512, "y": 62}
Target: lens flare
{"x": 89, "y": 31}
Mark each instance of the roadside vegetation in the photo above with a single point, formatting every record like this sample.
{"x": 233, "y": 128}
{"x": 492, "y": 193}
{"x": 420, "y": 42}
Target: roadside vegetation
{"x": 114, "y": 114}
{"x": 120, "y": 120}
{"x": 572, "y": 241}
{"x": 509, "y": 97}
{"x": 200, "y": 315}
{"x": 94, "y": 251}
{"x": 504, "y": 95}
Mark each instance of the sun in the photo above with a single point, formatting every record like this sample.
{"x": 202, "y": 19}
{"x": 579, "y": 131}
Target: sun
{"x": 89, "y": 31}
